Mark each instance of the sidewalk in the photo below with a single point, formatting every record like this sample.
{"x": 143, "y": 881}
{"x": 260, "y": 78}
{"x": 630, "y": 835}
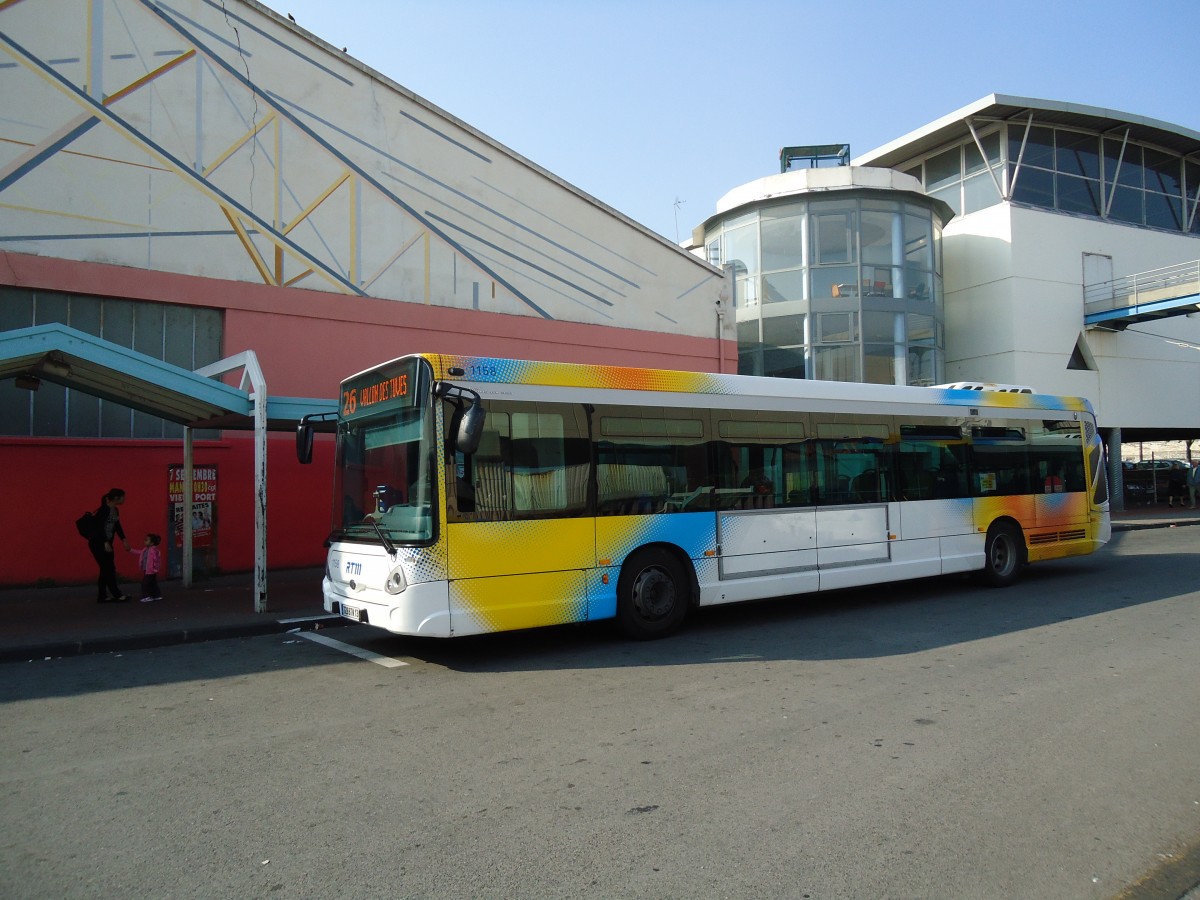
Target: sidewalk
{"x": 1154, "y": 516}
{"x": 36, "y": 623}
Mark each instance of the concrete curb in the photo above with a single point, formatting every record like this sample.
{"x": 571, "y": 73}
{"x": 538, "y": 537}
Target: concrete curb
{"x": 1142, "y": 526}
{"x": 113, "y": 644}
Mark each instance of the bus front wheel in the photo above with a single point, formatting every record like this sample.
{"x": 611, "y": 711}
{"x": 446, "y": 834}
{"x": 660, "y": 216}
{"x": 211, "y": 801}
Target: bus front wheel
{"x": 652, "y": 594}
{"x": 1004, "y": 554}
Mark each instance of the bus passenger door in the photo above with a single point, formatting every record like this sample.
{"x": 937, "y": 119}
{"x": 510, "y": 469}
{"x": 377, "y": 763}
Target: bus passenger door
{"x": 854, "y": 518}
{"x": 770, "y": 543}
{"x": 766, "y": 523}
{"x": 519, "y": 544}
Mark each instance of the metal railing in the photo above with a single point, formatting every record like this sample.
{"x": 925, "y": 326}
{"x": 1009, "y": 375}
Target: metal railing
{"x": 1156, "y": 285}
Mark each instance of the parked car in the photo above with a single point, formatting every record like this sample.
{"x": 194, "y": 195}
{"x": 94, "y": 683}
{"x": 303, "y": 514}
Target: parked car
{"x": 1146, "y": 482}
{"x": 1160, "y": 464}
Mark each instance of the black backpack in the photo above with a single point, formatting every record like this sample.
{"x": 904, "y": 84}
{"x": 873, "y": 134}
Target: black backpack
{"x": 86, "y": 525}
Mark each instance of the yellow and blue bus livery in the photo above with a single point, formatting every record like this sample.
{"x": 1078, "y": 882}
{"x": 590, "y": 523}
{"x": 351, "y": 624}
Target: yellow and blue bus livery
{"x": 598, "y": 492}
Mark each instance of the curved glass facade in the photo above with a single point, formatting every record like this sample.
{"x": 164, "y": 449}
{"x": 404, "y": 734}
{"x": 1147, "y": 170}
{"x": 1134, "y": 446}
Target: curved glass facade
{"x": 847, "y": 287}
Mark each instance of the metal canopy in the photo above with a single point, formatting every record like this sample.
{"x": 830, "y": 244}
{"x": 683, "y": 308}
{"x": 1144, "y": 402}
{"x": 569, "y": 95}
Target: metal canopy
{"x": 83, "y": 362}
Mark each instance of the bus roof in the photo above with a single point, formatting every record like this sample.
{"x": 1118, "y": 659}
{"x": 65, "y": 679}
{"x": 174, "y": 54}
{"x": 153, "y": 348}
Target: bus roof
{"x": 494, "y": 370}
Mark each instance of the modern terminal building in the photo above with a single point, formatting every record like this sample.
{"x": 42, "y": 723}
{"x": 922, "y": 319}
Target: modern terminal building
{"x": 1013, "y": 241}
{"x": 196, "y": 188}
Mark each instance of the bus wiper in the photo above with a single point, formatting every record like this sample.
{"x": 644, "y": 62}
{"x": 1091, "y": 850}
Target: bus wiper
{"x": 383, "y": 538}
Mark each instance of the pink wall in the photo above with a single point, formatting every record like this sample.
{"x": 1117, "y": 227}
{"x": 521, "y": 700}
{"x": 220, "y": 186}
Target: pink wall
{"x": 306, "y": 343}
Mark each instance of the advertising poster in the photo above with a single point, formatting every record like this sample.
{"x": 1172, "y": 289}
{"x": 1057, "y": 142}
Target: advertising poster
{"x": 204, "y": 521}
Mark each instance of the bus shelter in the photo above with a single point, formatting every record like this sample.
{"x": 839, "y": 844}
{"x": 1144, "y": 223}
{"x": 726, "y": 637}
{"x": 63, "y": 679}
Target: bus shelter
{"x": 199, "y": 399}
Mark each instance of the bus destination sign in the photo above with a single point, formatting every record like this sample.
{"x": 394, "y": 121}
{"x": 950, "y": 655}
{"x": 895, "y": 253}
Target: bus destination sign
{"x": 392, "y": 387}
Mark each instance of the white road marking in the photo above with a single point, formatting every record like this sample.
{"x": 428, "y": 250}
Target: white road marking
{"x": 386, "y": 661}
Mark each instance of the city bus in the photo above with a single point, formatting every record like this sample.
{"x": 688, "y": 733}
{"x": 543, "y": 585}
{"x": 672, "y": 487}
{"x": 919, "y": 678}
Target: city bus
{"x": 476, "y": 495}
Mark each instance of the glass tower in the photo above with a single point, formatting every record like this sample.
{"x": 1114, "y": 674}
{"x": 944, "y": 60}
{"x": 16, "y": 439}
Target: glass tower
{"x": 842, "y": 283}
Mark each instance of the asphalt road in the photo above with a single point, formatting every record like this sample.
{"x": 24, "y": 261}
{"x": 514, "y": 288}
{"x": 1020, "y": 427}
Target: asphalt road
{"x": 928, "y": 740}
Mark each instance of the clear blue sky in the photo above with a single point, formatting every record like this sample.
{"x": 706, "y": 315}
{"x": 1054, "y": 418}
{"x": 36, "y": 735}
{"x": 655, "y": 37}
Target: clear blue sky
{"x": 641, "y": 103}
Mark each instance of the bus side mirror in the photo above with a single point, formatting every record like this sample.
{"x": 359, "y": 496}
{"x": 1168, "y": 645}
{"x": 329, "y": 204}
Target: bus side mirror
{"x": 468, "y": 418}
{"x": 470, "y": 429}
{"x": 304, "y": 443}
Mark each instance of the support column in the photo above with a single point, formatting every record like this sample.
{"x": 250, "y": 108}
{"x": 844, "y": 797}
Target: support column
{"x": 248, "y": 363}
{"x": 260, "y": 483}
{"x": 809, "y": 349}
{"x": 900, "y": 350}
{"x": 1116, "y": 471}
{"x": 898, "y": 287}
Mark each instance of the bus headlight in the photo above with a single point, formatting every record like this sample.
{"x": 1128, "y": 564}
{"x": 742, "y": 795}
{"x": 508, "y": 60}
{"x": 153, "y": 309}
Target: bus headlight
{"x": 395, "y": 583}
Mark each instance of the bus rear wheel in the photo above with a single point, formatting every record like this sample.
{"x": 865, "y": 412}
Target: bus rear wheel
{"x": 1004, "y": 554}
{"x": 652, "y": 594}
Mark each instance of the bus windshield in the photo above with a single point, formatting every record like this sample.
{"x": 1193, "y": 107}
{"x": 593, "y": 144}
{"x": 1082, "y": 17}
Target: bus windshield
{"x": 385, "y": 473}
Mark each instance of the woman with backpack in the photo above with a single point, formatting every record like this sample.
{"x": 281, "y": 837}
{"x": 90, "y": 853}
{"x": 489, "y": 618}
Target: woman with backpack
{"x": 106, "y": 527}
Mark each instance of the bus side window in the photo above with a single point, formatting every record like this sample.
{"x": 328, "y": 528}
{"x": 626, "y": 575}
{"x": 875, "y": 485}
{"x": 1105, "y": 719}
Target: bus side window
{"x": 631, "y": 479}
{"x": 745, "y": 476}
{"x": 855, "y": 470}
{"x": 1055, "y": 458}
{"x": 1001, "y": 460}
{"x": 650, "y": 460}
{"x": 916, "y": 471}
{"x": 950, "y": 473}
{"x": 485, "y": 479}
{"x": 798, "y": 481}
{"x": 761, "y": 460}
{"x": 549, "y": 458}
{"x": 533, "y": 462}
{"x": 932, "y": 462}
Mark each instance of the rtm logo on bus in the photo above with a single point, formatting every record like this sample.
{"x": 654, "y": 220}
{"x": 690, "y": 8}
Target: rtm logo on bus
{"x": 393, "y": 388}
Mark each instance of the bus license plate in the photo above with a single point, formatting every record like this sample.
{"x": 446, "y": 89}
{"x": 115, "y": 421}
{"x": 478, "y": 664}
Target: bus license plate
{"x": 352, "y": 612}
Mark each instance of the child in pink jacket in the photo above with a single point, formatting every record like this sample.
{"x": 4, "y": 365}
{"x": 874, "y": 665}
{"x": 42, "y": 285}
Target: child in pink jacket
{"x": 150, "y": 564}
